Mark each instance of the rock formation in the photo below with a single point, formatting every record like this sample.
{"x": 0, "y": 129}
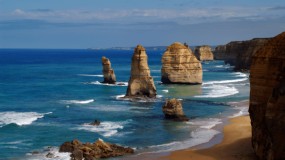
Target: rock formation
{"x": 90, "y": 151}
{"x": 179, "y": 65}
{"x": 108, "y": 72}
{"x": 173, "y": 110}
{"x": 267, "y": 99}
{"x": 204, "y": 53}
{"x": 141, "y": 83}
{"x": 239, "y": 53}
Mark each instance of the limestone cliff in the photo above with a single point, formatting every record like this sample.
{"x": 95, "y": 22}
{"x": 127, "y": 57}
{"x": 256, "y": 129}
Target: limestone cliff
{"x": 141, "y": 83}
{"x": 179, "y": 65}
{"x": 267, "y": 99}
{"x": 204, "y": 53}
{"x": 108, "y": 72}
{"x": 239, "y": 53}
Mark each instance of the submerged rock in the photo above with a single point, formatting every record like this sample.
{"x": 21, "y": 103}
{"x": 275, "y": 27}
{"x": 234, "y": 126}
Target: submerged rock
{"x": 95, "y": 123}
{"x": 204, "y": 53}
{"x": 267, "y": 99}
{"x": 108, "y": 72}
{"x": 141, "y": 83}
{"x": 173, "y": 110}
{"x": 98, "y": 149}
{"x": 179, "y": 65}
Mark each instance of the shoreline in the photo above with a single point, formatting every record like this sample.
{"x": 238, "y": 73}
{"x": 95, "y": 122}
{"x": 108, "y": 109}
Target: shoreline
{"x": 236, "y": 144}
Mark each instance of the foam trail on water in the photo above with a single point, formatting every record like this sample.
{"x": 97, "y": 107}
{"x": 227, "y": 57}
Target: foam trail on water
{"x": 77, "y": 101}
{"x": 106, "y": 84}
{"x": 224, "y": 81}
{"x": 19, "y": 118}
{"x": 91, "y": 75}
{"x": 216, "y": 91}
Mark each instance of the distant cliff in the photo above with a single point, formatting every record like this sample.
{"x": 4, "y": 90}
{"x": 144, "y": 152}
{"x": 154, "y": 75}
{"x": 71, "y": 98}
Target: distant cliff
{"x": 267, "y": 99}
{"x": 238, "y": 53}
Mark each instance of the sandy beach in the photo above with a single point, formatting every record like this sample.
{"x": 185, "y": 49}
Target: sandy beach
{"x": 236, "y": 144}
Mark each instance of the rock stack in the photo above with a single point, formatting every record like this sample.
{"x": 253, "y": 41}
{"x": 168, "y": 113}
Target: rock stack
{"x": 173, "y": 110}
{"x": 204, "y": 53}
{"x": 179, "y": 65}
{"x": 108, "y": 72}
{"x": 141, "y": 83}
{"x": 267, "y": 99}
{"x": 90, "y": 151}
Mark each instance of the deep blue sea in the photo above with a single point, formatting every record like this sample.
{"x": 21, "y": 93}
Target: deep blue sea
{"x": 48, "y": 96}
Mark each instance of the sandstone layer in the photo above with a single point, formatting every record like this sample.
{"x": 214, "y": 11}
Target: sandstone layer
{"x": 108, "y": 72}
{"x": 267, "y": 99}
{"x": 91, "y": 151}
{"x": 239, "y": 53}
{"x": 179, "y": 65}
{"x": 204, "y": 53}
{"x": 173, "y": 110}
{"x": 141, "y": 83}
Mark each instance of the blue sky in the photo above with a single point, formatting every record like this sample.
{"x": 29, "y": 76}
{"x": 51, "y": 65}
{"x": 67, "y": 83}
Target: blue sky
{"x": 124, "y": 23}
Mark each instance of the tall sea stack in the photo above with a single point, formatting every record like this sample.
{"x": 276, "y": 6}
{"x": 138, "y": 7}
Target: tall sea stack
{"x": 108, "y": 72}
{"x": 141, "y": 83}
{"x": 267, "y": 99}
{"x": 179, "y": 65}
{"x": 204, "y": 53}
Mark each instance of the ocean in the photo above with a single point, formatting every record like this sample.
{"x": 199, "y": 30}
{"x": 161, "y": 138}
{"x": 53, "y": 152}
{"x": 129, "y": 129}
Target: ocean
{"x": 48, "y": 96}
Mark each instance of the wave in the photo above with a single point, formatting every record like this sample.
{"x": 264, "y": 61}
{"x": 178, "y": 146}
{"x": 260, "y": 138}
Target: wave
{"x": 199, "y": 136}
{"x": 106, "y": 129}
{"x": 225, "y": 81}
{"x": 165, "y": 90}
{"x": 106, "y": 84}
{"x": 91, "y": 75}
{"x": 240, "y": 74}
{"x": 216, "y": 91}
{"x": 48, "y": 150}
{"x": 77, "y": 101}
{"x": 19, "y": 118}
{"x": 224, "y": 66}
{"x": 205, "y": 123}
{"x": 138, "y": 99}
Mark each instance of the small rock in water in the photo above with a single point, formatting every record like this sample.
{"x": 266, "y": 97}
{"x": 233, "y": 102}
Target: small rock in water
{"x": 95, "y": 123}
{"x": 50, "y": 155}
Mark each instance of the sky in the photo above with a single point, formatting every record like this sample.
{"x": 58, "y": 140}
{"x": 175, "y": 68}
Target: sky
{"x": 126, "y": 23}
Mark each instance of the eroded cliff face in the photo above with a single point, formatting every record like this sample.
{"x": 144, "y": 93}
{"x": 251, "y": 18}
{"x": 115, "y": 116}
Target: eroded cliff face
{"x": 267, "y": 99}
{"x": 108, "y": 72}
{"x": 239, "y": 53}
{"x": 179, "y": 65}
{"x": 141, "y": 83}
{"x": 204, "y": 53}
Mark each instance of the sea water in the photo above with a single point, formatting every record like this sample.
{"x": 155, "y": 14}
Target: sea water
{"x": 49, "y": 96}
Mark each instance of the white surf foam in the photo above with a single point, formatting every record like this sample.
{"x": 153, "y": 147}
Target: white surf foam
{"x": 241, "y": 112}
{"x": 199, "y": 136}
{"x": 225, "y": 81}
{"x": 239, "y": 74}
{"x": 19, "y": 118}
{"x": 205, "y": 123}
{"x": 223, "y": 66}
{"x": 77, "y": 101}
{"x": 91, "y": 75}
{"x": 165, "y": 90}
{"x": 106, "y": 84}
{"x": 105, "y": 129}
{"x": 123, "y": 98}
{"x": 48, "y": 150}
{"x": 216, "y": 91}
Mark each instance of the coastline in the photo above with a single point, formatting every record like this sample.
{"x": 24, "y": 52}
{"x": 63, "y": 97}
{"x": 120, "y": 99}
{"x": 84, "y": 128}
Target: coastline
{"x": 235, "y": 145}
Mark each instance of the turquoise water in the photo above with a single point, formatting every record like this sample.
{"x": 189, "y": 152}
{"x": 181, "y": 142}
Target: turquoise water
{"x": 48, "y": 97}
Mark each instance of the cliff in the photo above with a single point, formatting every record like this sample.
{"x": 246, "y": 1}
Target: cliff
{"x": 204, "y": 53}
{"x": 239, "y": 53}
{"x": 108, "y": 72}
{"x": 179, "y": 65}
{"x": 267, "y": 99}
{"x": 141, "y": 83}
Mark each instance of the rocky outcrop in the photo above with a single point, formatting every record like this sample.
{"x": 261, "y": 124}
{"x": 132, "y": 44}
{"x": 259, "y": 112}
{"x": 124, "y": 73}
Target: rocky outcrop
{"x": 173, "y": 110}
{"x": 239, "y": 53}
{"x": 90, "y": 151}
{"x": 108, "y": 72}
{"x": 204, "y": 53}
{"x": 141, "y": 83}
{"x": 267, "y": 99}
{"x": 179, "y": 65}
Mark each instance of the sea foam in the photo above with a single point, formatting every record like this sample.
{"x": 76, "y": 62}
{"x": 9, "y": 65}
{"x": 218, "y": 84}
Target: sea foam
{"x": 19, "y": 118}
{"x": 91, "y": 75}
{"x": 77, "y": 101}
{"x": 216, "y": 91}
{"x": 106, "y": 84}
{"x": 224, "y": 81}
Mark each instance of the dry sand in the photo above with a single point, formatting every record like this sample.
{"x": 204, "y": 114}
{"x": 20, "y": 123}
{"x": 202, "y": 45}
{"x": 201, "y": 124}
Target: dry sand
{"x": 236, "y": 145}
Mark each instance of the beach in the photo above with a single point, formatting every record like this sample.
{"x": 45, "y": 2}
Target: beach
{"x": 235, "y": 145}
